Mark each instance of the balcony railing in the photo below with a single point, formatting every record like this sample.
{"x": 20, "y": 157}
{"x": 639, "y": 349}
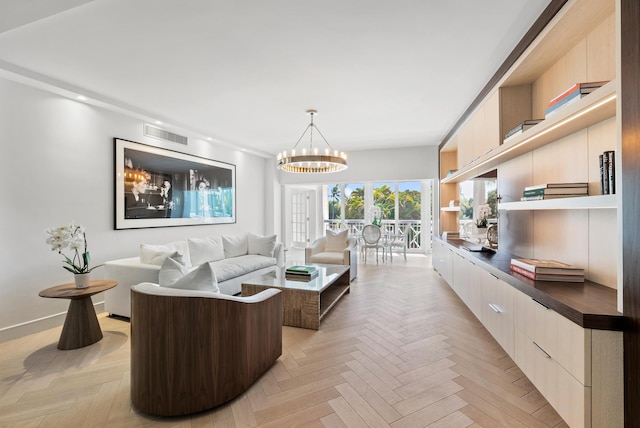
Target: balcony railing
{"x": 411, "y": 228}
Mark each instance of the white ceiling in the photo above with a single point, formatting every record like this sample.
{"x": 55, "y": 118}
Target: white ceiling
{"x": 381, "y": 73}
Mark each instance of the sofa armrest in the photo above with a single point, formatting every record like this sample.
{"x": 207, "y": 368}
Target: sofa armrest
{"x": 126, "y": 272}
{"x": 315, "y": 248}
{"x": 278, "y": 254}
{"x": 352, "y": 248}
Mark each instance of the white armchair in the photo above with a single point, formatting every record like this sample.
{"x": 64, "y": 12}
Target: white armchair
{"x": 335, "y": 249}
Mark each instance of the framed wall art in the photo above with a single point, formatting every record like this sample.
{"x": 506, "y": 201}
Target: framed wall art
{"x": 156, "y": 187}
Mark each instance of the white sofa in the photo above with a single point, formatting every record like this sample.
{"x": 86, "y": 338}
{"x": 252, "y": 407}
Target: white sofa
{"x": 233, "y": 259}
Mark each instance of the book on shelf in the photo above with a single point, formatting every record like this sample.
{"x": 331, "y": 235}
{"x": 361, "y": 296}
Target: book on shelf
{"x": 576, "y": 93}
{"x": 557, "y": 191}
{"x": 549, "y": 267}
{"x": 521, "y": 127}
{"x": 607, "y": 163}
{"x": 556, "y": 185}
{"x": 547, "y": 197}
{"x": 604, "y": 183}
{"x": 583, "y": 87}
{"x": 547, "y": 277}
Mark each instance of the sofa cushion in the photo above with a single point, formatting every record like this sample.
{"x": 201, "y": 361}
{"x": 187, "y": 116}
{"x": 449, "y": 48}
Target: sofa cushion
{"x": 230, "y": 268}
{"x": 156, "y": 254}
{"x": 336, "y": 241}
{"x": 332, "y": 258}
{"x": 235, "y": 245}
{"x": 203, "y": 250}
{"x": 202, "y": 278}
{"x": 261, "y": 245}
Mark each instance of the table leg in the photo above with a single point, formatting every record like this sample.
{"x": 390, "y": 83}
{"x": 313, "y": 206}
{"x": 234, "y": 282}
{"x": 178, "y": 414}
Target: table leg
{"x": 81, "y": 327}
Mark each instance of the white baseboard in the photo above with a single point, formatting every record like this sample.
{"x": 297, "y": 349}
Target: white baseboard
{"x": 37, "y": 325}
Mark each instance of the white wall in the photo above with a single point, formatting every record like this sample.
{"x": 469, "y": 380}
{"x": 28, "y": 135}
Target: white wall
{"x": 56, "y": 165}
{"x": 409, "y": 163}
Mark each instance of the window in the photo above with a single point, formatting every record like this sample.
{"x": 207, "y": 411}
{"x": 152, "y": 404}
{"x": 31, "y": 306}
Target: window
{"x": 334, "y": 199}
{"x": 354, "y": 201}
{"x": 384, "y": 196}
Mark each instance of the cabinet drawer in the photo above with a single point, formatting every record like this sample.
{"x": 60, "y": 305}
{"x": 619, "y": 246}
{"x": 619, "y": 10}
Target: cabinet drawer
{"x": 570, "y": 398}
{"x": 566, "y": 342}
{"x": 497, "y": 310}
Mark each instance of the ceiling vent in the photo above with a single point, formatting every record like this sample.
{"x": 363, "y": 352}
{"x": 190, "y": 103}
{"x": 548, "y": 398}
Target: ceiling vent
{"x": 163, "y": 134}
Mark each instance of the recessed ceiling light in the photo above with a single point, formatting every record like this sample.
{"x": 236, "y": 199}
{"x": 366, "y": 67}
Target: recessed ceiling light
{"x": 209, "y": 138}
{"x": 81, "y": 98}
{"x": 158, "y": 122}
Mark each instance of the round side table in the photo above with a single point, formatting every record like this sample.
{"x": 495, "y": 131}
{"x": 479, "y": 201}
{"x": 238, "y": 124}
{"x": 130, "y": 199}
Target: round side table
{"x": 81, "y": 327}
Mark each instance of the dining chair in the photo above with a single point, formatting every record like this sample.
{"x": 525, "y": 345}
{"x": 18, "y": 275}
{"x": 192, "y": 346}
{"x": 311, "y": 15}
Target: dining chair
{"x": 371, "y": 235}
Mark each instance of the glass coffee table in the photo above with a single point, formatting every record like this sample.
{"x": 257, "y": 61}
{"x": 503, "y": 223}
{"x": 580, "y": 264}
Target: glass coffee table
{"x": 304, "y": 303}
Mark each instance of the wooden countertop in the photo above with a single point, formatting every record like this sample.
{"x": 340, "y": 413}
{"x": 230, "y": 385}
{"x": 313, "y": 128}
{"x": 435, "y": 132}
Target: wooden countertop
{"x": 589, "y": 304}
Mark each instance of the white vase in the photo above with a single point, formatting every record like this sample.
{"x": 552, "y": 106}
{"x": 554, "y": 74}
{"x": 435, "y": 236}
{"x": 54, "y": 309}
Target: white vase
{"x": 82, "y": 279}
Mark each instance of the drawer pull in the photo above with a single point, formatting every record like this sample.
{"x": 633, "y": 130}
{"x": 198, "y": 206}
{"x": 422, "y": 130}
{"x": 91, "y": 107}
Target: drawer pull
{"x": 495, "y": 308}
{"x": 493, "y": 275}
{"x": 541, "y": 304}
{"x": 541, "y": 350}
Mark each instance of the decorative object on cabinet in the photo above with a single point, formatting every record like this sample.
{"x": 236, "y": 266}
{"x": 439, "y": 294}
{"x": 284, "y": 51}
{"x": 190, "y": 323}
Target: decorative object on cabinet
{"x": 547, "y": 270}
{"x": 157, "y": 188}
{"x": 492, "y": 235}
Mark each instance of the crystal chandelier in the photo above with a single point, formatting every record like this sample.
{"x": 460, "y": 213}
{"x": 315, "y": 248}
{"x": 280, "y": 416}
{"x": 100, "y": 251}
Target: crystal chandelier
{"x": 310, "y": 160}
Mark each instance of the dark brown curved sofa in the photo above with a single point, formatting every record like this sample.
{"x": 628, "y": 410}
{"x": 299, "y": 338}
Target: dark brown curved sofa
{"x": 192, "y": 351}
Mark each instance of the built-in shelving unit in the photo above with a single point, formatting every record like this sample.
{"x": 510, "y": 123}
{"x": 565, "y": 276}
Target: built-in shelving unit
{"x": 579, "y": 44}
{"x": 594, "y": 108}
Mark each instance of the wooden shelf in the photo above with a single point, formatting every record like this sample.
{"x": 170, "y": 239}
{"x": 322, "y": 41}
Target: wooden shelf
{"x": 579, "y": 203}
{"x": 594, "y": 108}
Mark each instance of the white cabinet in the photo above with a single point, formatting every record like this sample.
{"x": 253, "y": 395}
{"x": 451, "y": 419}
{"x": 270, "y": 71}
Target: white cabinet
{"x": 443, "y": 260}
{"x": 497, "y": 310}
{"x": 567, "y": 364}
{"x": 466, "y": 282}
{"x": 570, "y": 398}
{"x": 578, "y": 370}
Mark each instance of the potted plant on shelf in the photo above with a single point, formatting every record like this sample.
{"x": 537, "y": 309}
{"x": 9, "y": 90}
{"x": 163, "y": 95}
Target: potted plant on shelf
{"x": 73, "y": 237}
{"x": 484, "y": 211}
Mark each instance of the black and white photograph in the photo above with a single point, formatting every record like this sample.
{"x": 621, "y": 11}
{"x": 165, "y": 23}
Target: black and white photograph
{"x": 157, "y": 188}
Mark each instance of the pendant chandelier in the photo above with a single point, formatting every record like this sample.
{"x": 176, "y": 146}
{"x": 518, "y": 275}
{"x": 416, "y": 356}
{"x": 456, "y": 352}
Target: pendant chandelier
{"x": 311, "y": 160}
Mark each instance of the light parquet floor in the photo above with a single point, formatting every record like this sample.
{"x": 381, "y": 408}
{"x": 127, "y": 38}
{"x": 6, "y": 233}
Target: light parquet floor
{"x": 401, "y": 350}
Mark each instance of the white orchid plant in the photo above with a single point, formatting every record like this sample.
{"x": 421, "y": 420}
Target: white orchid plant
{"x": 484, "y": 211}
{"x": 73, "y": 237}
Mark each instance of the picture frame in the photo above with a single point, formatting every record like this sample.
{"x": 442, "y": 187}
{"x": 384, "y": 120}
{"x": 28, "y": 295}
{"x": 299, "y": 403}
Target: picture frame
{"x": 156, "y": 187}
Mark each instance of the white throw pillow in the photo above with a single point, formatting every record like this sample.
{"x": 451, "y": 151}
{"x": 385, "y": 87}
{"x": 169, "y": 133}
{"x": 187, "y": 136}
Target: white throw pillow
{"x": 156, "y": 254}
{"x": 171, "y": 271}
{"x": 202, "y": 278}
{"x": 261, "y": 245}
{"x": 235, "y": 245}
{"x": 336, "y": 241}
{"x": 204, "y": 250}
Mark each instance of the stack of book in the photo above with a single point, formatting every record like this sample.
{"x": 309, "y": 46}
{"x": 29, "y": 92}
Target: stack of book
{"x": 574, "y": 93}
{"x": 519, "y": 129}
{"x": 554, "y": 190}
{"x": 608, "y": 173}
{"x": 301, "y": 273}
{"x": 547, "y": 270}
